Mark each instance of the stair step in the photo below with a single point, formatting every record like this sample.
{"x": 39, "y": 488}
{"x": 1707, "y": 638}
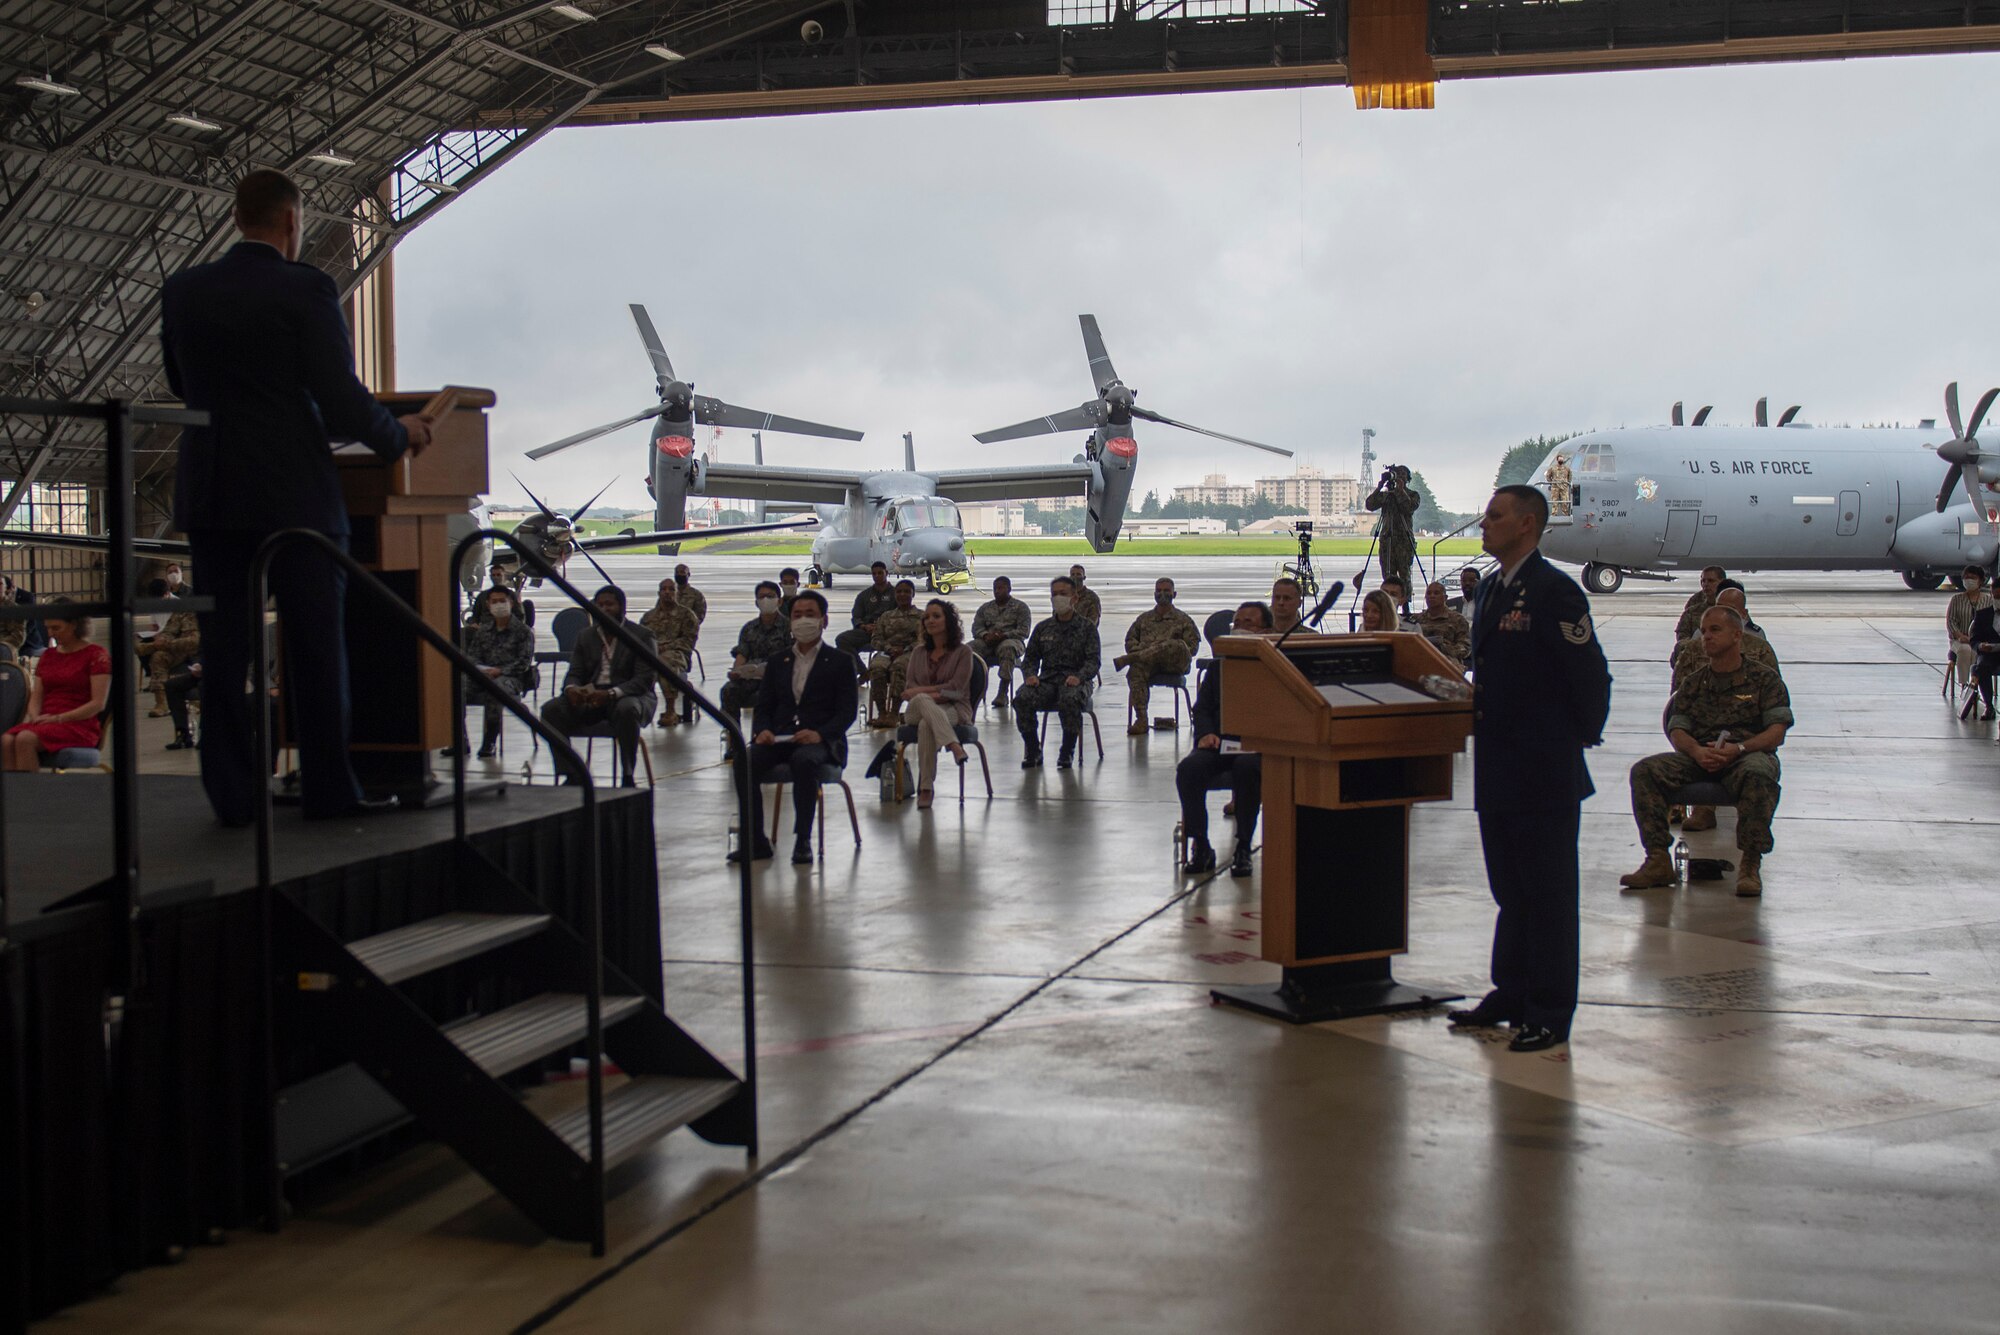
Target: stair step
{"x": 642, "y": 1110}
{"x": 509, "y": 1039}
{"x": 406, "y": 952}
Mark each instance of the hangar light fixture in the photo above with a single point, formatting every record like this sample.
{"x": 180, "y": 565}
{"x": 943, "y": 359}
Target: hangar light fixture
{"x": 438, "y": 187}
{"x": 573, "y": 12}
{"x": 47, "y": 83}
{"x": 330, "y": 158}
{"x": 193, "y": 122}
{"x": 664, "y": 52}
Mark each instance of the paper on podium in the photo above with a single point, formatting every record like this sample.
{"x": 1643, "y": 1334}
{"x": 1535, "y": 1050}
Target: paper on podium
{"x": 1389, "y": 693}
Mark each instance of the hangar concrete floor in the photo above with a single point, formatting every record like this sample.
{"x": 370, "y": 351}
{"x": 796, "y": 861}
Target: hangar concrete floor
{"x": 997, "y": 1099}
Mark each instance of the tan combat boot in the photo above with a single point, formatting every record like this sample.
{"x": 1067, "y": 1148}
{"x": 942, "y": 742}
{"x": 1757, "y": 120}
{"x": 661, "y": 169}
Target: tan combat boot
{"x": 1699, "y": 818}
{"x": 1749, "y": 885}
{"x": 1657, "y": 870}
{"x": 159, "y": 709}
{"x": 1674, "y": 815}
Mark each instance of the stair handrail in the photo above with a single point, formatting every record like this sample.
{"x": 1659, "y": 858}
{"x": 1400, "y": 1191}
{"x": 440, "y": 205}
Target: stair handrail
{"x": 739, "y": 756}
{"x": 559, "y": 749}
{"x": 1473, "y": 522}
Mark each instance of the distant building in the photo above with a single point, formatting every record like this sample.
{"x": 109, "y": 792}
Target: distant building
{"x": 996, "y": 519}
{"x": 1309, "y": 491}
{"x": 1216, "y": 489}
{"x": 1170, "y": 528}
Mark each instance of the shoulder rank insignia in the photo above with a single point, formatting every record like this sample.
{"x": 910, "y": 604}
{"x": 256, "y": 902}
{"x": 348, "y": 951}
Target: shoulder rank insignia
{"x": 1578, "y": 631}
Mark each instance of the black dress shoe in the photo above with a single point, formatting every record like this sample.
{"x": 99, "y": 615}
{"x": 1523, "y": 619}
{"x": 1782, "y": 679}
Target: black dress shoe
{"x": 802, "y": 854}
{"x": 1201, "y": 857}
{"x": 181, "y": 742}
{"x": 1067, "y": 758}
{"x": 1033, "y": 760}
{"x": 1535, "y": 1038}
{"x": 487, "y": 753}
{"x": 1239, "y": 865}
{"x": 762, "y": 852}
{"x": 1481, "y": 1016}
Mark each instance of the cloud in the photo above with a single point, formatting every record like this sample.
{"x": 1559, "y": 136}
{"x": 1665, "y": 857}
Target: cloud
{"x": 1537, "y": 255}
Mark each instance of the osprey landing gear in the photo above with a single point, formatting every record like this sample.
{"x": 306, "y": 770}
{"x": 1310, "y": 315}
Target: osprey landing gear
{"x": 818, "y": 577}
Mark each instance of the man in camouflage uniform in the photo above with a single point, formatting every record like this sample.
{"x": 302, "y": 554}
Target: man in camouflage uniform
{"x": 869, "y": 605}
{"x": 1689, "y": 625}
{"x": 1000, "y": 634}
{"x": 176, "y": 642}
{"x": 1161, "y": 643}
{"x": 1057, "y": 670}
{"x": 1087, "y": 605}
{"x": 695, "y": 600}
{"x": 1398, "y": 506}
{"x": 896, "y": 634}
{"x": 1756, "y": 647}
{"x": 1449, "y": 633}
{"x": 674, "y": 633}
{"x": 762, "y": 638}
{"x": 1726, "y": 722}
{"x": 1560, "y": 485}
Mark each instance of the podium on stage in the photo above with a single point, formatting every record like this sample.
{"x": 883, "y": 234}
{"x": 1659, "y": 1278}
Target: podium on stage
{"x": 1350, "y": 743}
{"x": 401, "y": 514}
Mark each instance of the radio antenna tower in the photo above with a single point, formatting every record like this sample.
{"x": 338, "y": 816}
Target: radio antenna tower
{"x": 1367, "y": 454}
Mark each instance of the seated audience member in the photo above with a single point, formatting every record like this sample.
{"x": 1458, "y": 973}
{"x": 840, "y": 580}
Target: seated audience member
{"x": 674, "y": 633}
{"x": 1287, "y": 600}
{"x": 939, "y": 696}
{"x": 607, "y": 683}
{"x": 1398, "y": 592}
{"x": 695, "y": 599}
{"x": 504, "y": 647}
{"x": 175, "y": 642}
{"x": 1449, "y": 631}
{"x": 1688, "y": 626}
{"x": 1986, "y": 644}
{"x": 1726, "y": 723}
{"x": 1161, "y": 642}
{"x": 1378, "y": 613}
{"x": 1201, "y": 765}
{"x": 1468, "y": 588}
{"x": 184, "y": 685}
{"x": 869, "y": 604}
{"x": 1755, "y": 646}
{"x": 896, "y": 634}
{"x": 762, "y": 638}
{"x": 1087, "y": 601}
{"x": 1000, "y": 633}
{"x": 1723, "y": 599}
{"x": 805, "y": 705}
{"x": 1958, "y": 613}
{"x": 788, "y": 592}
{"x": 72, "y": 682}
{"x": 1058, "y": 671}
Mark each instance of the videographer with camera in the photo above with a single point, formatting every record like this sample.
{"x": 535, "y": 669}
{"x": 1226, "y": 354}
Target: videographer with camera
{"x": 1394, "y": 500}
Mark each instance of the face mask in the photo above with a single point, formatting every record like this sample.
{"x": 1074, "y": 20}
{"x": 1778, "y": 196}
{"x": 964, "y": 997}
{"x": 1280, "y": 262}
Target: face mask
{"x": 501, "y": 611}
{"x": 806, "y": 630}
{"x": 173, "y": 579}
{"x": 680, "y": 579}
{"x": 767, "y": 604}
{"x": 1164, "y": 599}
{"x": 1061, "y": 603}
{"x": 791, "y": 590}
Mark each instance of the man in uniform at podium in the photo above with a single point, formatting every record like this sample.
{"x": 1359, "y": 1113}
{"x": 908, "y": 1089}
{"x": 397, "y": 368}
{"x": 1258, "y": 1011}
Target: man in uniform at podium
{"x": 257, "y": 340}
{"x": 1542, "y": 693}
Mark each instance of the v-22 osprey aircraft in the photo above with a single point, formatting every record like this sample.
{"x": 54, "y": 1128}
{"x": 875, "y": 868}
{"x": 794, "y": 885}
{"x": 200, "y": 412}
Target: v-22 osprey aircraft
{"x": 1791, "y": 497}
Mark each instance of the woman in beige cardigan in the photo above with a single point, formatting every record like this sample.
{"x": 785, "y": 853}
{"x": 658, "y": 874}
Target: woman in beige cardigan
{"x": 938, "y": 697}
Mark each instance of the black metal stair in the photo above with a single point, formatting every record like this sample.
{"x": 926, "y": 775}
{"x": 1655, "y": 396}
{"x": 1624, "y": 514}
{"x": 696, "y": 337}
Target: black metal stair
{"x": 449, "y": 1072}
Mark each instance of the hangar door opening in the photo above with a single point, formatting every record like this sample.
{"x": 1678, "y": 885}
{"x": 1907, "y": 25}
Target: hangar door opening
{"x": 1681, "y": 526}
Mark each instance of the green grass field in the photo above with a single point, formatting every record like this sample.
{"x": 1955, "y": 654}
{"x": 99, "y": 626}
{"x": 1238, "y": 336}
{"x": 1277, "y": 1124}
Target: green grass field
{"x": 1142, "y": 547}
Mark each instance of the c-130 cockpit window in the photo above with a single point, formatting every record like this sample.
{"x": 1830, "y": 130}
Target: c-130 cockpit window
{"x": 1596, "y": 459}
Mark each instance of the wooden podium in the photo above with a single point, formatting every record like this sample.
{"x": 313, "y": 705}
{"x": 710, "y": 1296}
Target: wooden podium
{"x": 400, "y": 513}
{"x": 1350, "y": 744}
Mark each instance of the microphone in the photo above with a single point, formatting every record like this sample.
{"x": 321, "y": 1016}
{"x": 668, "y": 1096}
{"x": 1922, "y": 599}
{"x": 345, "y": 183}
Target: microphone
{"x": 1318, "y": 613}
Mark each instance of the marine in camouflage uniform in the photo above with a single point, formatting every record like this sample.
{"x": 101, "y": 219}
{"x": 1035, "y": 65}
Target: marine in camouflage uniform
{"x": 695, "y": 600}
{"x": 1689, "y": 625}
{"x": 756, "y": 644}
{"x": 1087, "y": 605}
{"x": 869, "y": 605}
{"x": 1009, "y": 624}
{"x": 1398, "y": 506}
{"x": 896, "y": 634}
{"x": 1449, "y": 632}
{"x": 1060, "y": 648}
{"x": 675, "y": 629}
{"x": 1756, "y": 649}
{"x": 178, "y": 641}
{"x": 1712, "y": 705}
{"x": 1161, "y": 642}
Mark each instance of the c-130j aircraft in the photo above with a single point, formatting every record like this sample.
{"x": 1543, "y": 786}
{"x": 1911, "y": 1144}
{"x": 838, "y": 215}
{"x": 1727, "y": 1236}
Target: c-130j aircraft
{"x": 1791, "y": 497}
{"x": 907, "y": 518}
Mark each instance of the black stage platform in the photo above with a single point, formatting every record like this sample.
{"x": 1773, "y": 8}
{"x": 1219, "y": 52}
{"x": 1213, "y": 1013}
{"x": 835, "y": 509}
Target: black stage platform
{"x": 113, "y": 1158}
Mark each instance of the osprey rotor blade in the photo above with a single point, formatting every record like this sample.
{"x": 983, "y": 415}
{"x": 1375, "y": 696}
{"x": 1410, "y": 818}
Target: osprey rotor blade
{"x": 1102, "y": 372}
{"x": 546, "y": 512}
{"x": 544, "y": 451}
{"x": 663, "y": 366}
{"x": 1070, "y": 419}
{"x": 717, "y": 413}
{"x": 1164, "y": 420}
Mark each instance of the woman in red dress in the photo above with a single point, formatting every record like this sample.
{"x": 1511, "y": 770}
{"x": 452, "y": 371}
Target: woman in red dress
{"x": 72, "y": 682}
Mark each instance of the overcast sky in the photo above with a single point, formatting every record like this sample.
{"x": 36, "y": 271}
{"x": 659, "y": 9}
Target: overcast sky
{"x": 1536, "y": 255}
